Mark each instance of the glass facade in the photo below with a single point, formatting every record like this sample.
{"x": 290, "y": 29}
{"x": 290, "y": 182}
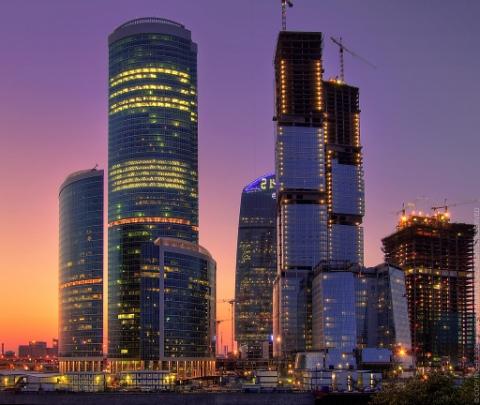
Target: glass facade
{"x": 319, "y": 170}
{"x": 393, "y": 322}
{"x": 153, "y": 185}
{"x": 187, "y": 308}
{"x": 302, "y": 215}
{"x": 357, "y": 308}
{"x": 256, "y": 267}
{"x": 81, "y": 267}
{"x": 345, "y": 185}
{"x": 334, "y": 303}
{"x": 292, "y": 318}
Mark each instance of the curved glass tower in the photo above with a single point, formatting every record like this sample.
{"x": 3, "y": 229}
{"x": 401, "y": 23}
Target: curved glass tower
{"x": 153, "y": 186}
{"x": 81, "y": 272}
{"x": 256, "y": 267}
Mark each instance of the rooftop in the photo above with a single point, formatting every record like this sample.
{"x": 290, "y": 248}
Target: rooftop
{"x": 79, "y": 175}
{"x": 149, "y": 25}
{"x": 149, "y": 20}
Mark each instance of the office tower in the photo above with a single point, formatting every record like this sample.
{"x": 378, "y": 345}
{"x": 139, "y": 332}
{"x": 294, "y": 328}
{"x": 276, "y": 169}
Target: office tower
{"x": 301, "y": 190}
{"x": 81, "y": 272}
{"x": 187, "y": 308}
{"x": 344, "y": 172}
{"x": 437, "y": 257}
{"x": 319, "y": 181}
{"x": 360, "y": 308}
{"x": 256, "y": 268}
{"x": 153, "y": 177}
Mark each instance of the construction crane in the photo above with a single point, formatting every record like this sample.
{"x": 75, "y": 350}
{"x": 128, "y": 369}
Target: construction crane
{"x": 409, "y": 205}
{"x": 446, "y": 206}
{"x": 343, "y": 48}
{"x": 285, "y": 4}
{"x": 218, "y": 322}
{"x": 232, "y": 303}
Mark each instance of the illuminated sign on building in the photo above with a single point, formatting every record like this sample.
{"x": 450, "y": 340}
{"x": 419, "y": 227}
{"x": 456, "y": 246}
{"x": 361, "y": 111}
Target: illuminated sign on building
{"x": 264, "y": 183}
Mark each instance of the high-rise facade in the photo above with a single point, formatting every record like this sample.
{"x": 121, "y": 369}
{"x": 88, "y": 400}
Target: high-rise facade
{"x": 301, "y": 185}
{"x": 319, "y": 182}
{"x": 153, "y": 175}
{"x": 81, "y": 272}
{"x": 357, "y": 308}
{"x": 437, "y": 257}
{"x": 256, "y": 267}
{"x": 186, "y": 308}
{"x": 344, "y": 172}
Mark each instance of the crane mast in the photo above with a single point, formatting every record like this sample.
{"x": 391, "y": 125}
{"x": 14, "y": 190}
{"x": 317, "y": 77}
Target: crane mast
{"x": 342, "y": 48}
{"x": 285, "y": 4}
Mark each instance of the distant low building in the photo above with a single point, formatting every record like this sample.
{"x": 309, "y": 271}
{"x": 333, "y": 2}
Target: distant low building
{"x": 34, "y": 349}
{"x": 9, "y": 354}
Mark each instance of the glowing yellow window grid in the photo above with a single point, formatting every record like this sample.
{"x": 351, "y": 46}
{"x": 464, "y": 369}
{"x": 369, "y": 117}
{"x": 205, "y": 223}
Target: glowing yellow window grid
{"x": 156, "y": 173}
{"x": 147, "y": 73}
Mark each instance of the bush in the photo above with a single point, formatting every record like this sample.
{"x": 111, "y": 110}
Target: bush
{"x": 437, "y": 389}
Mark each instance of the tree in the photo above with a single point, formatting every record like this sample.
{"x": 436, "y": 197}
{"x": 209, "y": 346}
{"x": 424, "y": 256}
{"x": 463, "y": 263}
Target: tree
{"x": 436, "y": 389}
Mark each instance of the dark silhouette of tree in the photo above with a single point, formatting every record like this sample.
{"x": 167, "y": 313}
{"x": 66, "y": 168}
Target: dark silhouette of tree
{"x": 436, "y": 389}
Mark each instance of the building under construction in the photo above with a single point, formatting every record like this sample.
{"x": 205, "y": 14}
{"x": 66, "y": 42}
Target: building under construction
{"x": 319, "y": 180}
{"x": 344, "y": 172}
{"x": 437, "y": 257}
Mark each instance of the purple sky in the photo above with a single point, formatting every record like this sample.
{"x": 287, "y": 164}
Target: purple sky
{"x": 420, "y": 116}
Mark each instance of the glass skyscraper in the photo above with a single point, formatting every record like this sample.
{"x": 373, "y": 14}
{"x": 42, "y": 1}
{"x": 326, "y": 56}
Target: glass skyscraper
{"x": 256, "y": 267}
{"x": 302, "y": 215}
{"x": 319, "y": 182}
{"x": 344, "y": 170}
{"x": 81, "y": 272}
{"x": 153, "y": 175}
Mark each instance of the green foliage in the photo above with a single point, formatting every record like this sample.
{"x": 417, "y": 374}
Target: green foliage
{"x": 438, "y": 389}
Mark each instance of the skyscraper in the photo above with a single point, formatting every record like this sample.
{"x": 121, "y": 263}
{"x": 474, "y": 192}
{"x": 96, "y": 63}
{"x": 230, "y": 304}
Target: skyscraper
{"x": 319, "y": 181}
{"x": 153, "y": 170}
{"x": 302, "y": 216}
{"x": 256, "y": 267}
{"x": 344, "y": 170}
{"x": 437, "y": 257}
{"x": 81, "y": 272}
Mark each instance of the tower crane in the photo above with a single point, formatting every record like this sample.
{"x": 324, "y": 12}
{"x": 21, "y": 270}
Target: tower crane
{"x": 410, "y": 205}
{"x": 217, "y": 329}
{"x": 446, "y": 206}
{"x": 285, "y": 4}
{"x": 231, "y": 302}
{"x": 342, "y": 48}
